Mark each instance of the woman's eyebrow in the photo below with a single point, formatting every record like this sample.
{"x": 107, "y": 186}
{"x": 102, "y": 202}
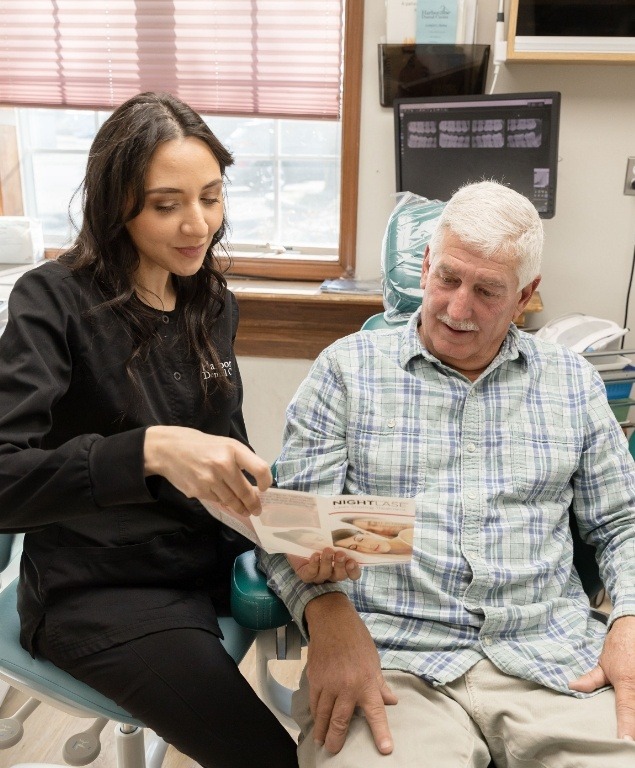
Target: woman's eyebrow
{"x": 217, "y": 183}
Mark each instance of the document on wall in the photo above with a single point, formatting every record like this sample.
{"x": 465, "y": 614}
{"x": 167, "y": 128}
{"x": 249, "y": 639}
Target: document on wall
{"x": 431, "y": 21}
{"x": 401, "y": 21}
{"x": 439, "y": 21}
{"x": 375, "y": 530}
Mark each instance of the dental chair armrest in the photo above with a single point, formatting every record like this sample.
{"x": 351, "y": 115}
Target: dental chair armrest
{"x": 253, "y": 604}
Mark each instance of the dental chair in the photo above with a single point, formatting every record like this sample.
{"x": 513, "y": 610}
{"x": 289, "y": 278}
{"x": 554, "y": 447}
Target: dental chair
{"x": 258, "y": 616}
{"x": 10, "y": 547}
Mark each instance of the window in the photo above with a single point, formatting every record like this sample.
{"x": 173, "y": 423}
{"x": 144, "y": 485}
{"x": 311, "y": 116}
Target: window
{"x": 293, "y": 195}
{"x": 282, "y": 192}
{"x": 54, "y": 148}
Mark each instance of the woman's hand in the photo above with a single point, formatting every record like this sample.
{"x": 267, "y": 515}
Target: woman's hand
{"x": 327, "y": 565}
{"x": 206, "y": 466}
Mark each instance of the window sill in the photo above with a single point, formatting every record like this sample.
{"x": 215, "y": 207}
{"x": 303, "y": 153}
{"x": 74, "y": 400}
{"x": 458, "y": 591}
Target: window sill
{"x": 285, "y": 266}
{"x": 293, "y": 319}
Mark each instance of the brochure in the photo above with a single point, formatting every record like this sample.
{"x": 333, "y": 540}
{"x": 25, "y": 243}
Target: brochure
{"x": 439, "y": 21}
{"x": 375, "y": 530}
{"x": 350, "y": 285}
{"x": 431, "y": 21}
{"x": 401, "y": 21}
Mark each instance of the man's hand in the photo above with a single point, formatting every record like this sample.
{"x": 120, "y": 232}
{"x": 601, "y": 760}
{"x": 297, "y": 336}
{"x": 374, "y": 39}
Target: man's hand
{"x": 344, "y": 672}
{"x": 616, "y": 667}
{"x": 328, "y": 565}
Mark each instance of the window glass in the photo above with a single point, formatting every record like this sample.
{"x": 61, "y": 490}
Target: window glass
{"x": 284, "y": 186}
{"x": 58, "y": 176}
{"x": 60, "y": 129}
{"x": 309, "y": 209}
{"x": 282, "y": 191}
{"x": 310, "y": 137}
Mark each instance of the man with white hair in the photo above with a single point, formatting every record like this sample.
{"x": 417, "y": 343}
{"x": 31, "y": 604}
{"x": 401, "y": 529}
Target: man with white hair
{"x": 483, "y": 645}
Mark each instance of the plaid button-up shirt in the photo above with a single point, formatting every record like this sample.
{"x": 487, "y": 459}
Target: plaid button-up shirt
{"x": 494, "y": 466}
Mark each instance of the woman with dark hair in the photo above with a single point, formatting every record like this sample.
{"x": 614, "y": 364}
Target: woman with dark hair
{"x": 120, "y": 406}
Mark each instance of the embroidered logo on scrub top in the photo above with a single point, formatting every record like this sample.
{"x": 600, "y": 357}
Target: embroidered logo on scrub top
{"x": 210, "y": 372}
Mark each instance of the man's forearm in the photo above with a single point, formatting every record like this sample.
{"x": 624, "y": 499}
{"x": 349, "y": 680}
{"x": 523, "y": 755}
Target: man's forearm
{"x": 296, "y": 595}
{"x": 326, "y": 610}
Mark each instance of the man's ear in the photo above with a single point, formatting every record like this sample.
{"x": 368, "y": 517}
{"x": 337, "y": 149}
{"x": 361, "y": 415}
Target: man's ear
{"x": 526, "y": 293}
{"x": 425, "y": 267}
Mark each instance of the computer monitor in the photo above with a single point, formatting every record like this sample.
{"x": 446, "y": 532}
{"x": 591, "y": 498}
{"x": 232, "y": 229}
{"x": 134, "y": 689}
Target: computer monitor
{"x": 444, "y": 142}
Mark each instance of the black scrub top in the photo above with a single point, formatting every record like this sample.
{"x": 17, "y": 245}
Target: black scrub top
{"x": 108, "y": 554}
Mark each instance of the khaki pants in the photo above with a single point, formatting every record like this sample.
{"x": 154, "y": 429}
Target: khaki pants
{"x": 485, "y": 712}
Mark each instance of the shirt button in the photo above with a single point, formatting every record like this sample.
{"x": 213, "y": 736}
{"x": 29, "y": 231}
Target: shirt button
{"x": 487, "y": 641}
{"x": 177, "y": 375}
{"x": 390, "y": 423}
{"x": 471, "y": 495}
{"x": 165, "y": 319}
{"x": 471, "y": 447}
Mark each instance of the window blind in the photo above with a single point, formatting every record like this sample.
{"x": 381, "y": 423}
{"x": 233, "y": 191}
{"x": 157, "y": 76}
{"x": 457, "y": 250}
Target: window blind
{"x": 271, "y": 58}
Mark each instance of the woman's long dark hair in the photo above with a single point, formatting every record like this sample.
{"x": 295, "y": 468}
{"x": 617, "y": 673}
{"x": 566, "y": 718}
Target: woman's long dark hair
{"x": 113, "y": 194}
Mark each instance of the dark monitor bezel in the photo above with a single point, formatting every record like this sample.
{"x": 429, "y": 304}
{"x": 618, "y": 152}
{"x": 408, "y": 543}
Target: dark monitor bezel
{"x": 498, "y": 99}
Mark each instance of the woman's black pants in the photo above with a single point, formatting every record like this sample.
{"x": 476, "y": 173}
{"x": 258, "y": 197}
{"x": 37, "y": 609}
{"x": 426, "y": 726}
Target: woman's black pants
{"x": 183, "y": 685}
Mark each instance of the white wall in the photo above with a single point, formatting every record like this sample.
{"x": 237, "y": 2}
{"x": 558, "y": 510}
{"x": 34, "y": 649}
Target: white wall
{"x": 589, "y": 243}
{"x": 269, "y": 385}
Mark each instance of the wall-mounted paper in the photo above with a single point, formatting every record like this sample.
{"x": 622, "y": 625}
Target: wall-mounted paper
{"x": 401, "y": 21}
{"x": 439, "y": 21}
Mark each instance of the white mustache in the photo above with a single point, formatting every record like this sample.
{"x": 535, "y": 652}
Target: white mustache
{"x": 462, "y": 325}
